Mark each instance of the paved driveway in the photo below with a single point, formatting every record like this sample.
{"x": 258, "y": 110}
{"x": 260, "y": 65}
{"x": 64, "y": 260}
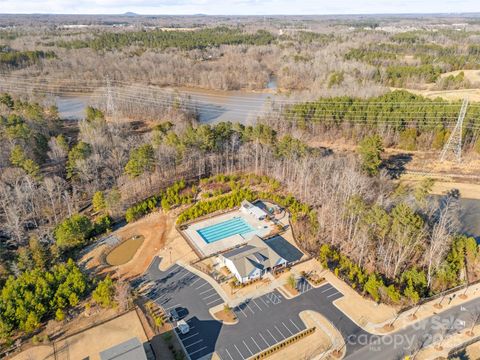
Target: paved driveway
{"x": 263, "y": 321}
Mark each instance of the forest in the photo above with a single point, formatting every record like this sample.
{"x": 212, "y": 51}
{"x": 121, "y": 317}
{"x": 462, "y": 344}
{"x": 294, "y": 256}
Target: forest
{"x": 183, "y": 40}
{"x": 404, "y": 120}
{"x": 235, "y": 55}
{"x": 13, "y": 59}
{"x": 116, "y": 170}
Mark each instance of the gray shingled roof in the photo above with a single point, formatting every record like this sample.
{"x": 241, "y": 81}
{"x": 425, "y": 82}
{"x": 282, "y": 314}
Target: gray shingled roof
{"x": 256, "y": 254}
{"x": 285, "y": 249}
{"x": 129, "y": 350}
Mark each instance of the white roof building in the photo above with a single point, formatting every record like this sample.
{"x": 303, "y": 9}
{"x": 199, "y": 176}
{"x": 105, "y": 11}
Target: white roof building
{"x": 252, "y": 260}
{"x": 248, "y": 208}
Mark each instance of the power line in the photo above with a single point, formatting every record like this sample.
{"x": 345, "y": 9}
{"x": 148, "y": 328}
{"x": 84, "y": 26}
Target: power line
{"x": 454, "y": 143}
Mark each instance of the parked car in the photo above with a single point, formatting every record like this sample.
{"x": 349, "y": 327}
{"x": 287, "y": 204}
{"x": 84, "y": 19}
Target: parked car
{"x": 178, "y": 313}
{"x": 183, "y": 327}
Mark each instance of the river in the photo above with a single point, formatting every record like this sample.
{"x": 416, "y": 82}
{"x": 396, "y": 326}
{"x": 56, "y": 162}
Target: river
{"x": 212, "y": 106}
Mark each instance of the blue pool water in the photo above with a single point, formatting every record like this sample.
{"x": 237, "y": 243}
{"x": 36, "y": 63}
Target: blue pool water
{"x": 225, "y": 229}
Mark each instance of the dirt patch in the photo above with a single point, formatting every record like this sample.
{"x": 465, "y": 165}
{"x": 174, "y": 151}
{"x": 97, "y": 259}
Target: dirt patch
{"x": 89, "y": 343}
{"x": 290, "y": 290}
{"x": 124, "y": 252}
{"x": 226, "y": 316}
{"x": 467, "y": 191}
{"x": 460, "y": 94}
{"x": 471, "y": 75}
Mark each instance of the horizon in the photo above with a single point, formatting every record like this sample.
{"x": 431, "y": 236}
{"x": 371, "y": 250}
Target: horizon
{"x": 238, "y": 7}
{"x": 133, "y": 13}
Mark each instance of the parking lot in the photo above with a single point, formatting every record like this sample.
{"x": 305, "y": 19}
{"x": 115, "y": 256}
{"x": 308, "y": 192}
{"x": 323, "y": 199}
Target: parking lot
{"x": 268, "y": 331}
{"x": 262, "y": 321}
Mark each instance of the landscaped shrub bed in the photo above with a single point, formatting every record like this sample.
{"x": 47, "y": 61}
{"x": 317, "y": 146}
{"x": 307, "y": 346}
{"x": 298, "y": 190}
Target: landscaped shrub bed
{"x": 280, "y": 346}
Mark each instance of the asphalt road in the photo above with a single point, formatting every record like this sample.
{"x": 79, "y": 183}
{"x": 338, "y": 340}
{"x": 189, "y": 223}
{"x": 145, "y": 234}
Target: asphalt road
{"x": 269, "y": 319}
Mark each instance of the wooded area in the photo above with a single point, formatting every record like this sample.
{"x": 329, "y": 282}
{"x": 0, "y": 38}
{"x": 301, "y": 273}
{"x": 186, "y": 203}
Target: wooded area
{"x": 64, "y": 183}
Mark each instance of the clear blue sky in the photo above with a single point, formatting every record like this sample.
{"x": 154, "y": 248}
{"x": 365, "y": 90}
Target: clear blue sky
{"x": 253, "y": 7}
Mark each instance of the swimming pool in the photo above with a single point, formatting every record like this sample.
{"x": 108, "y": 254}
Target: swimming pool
{"x": 225, "y": 229}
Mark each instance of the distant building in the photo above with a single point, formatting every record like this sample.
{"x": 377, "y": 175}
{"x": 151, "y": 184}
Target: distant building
{"x": 129, "y": 350}
{"x": 252, "y": 260}
{"x": 248, "y": 208}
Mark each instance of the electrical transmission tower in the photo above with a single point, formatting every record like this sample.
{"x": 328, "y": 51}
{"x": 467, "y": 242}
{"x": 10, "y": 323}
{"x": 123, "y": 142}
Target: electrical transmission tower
{"x": 454, "y": 143}
{"x": 110, "y": 101}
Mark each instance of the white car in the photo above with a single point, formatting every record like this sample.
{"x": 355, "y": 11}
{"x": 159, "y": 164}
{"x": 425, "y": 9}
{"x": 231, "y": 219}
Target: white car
{"x": 183, "y": 327}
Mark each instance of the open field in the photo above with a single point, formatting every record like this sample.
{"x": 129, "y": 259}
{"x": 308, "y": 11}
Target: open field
{"x": 459, "y": 94}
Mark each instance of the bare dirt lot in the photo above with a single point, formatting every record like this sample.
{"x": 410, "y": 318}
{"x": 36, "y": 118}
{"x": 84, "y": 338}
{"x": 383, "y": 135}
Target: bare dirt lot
{"x": 160, "y": 239}
{"x": 89, "y": 343}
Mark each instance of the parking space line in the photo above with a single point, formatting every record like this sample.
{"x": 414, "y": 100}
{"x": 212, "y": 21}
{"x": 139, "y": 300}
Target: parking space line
{"x": 187, "y": 273}
{"x": 327, "y": 289}
{"x": 295, "y": 325}
{"x": 259, "y": 308}
{"x": 250, "y": 351}
{"x": 203, "y": 292}
{"x": 191, "y": 353}
{"x": 274, "y": 298}
{"x": 193, "y": 283}
{"x": 189, "y": 337}
{"x": 205, "y": 283}
{"x": 171, "y": 307}
{"x": 335, "y": 293}
{"x": 194, "y": 343}
{"x": 228, "y": 353}
{"x": 239, "y": 308}
{"x": 280, "y": 332}
{"x": 286, "y": 327}
{"x": 273, "y": 337}
{"x": 209, "y": 296}
{"x": 253, "y": 312}
{"x": 181, "y": 271}
{"x": 211, "y": 302}
{"x": 265, "y": 341}
{"x": 259, "y": 348}
{"x": 241, "y": 355}
{"x": 161, "y": 296}
{"x": 264, "y": 302}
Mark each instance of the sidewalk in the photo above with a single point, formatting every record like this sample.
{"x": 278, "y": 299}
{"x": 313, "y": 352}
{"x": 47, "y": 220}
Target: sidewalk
{"x": 424, "y": 311}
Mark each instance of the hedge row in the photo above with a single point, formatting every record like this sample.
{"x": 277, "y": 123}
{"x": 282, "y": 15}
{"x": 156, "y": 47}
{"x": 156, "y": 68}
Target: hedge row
{"x": 277, "y": 347}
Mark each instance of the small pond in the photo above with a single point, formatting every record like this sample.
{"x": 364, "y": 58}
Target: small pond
{"x": 124, "y": 252}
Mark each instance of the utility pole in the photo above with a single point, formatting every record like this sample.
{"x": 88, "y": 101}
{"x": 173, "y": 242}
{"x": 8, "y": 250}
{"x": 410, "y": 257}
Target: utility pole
{"x": 110, "y": 109}
{"x": 454, "y": 143}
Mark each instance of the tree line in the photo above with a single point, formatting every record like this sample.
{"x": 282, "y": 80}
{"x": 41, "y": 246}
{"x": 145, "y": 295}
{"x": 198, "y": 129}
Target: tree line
{"x": 402, "y": 119}
{"x": 161, "y": 39}
{"x": 15, "y": 59}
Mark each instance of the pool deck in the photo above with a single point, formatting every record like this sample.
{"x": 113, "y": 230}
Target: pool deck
{"x": 221, "y": 245}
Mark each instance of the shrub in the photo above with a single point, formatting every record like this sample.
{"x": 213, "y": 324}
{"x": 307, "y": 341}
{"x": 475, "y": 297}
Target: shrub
{"x": 104, "y": 293}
